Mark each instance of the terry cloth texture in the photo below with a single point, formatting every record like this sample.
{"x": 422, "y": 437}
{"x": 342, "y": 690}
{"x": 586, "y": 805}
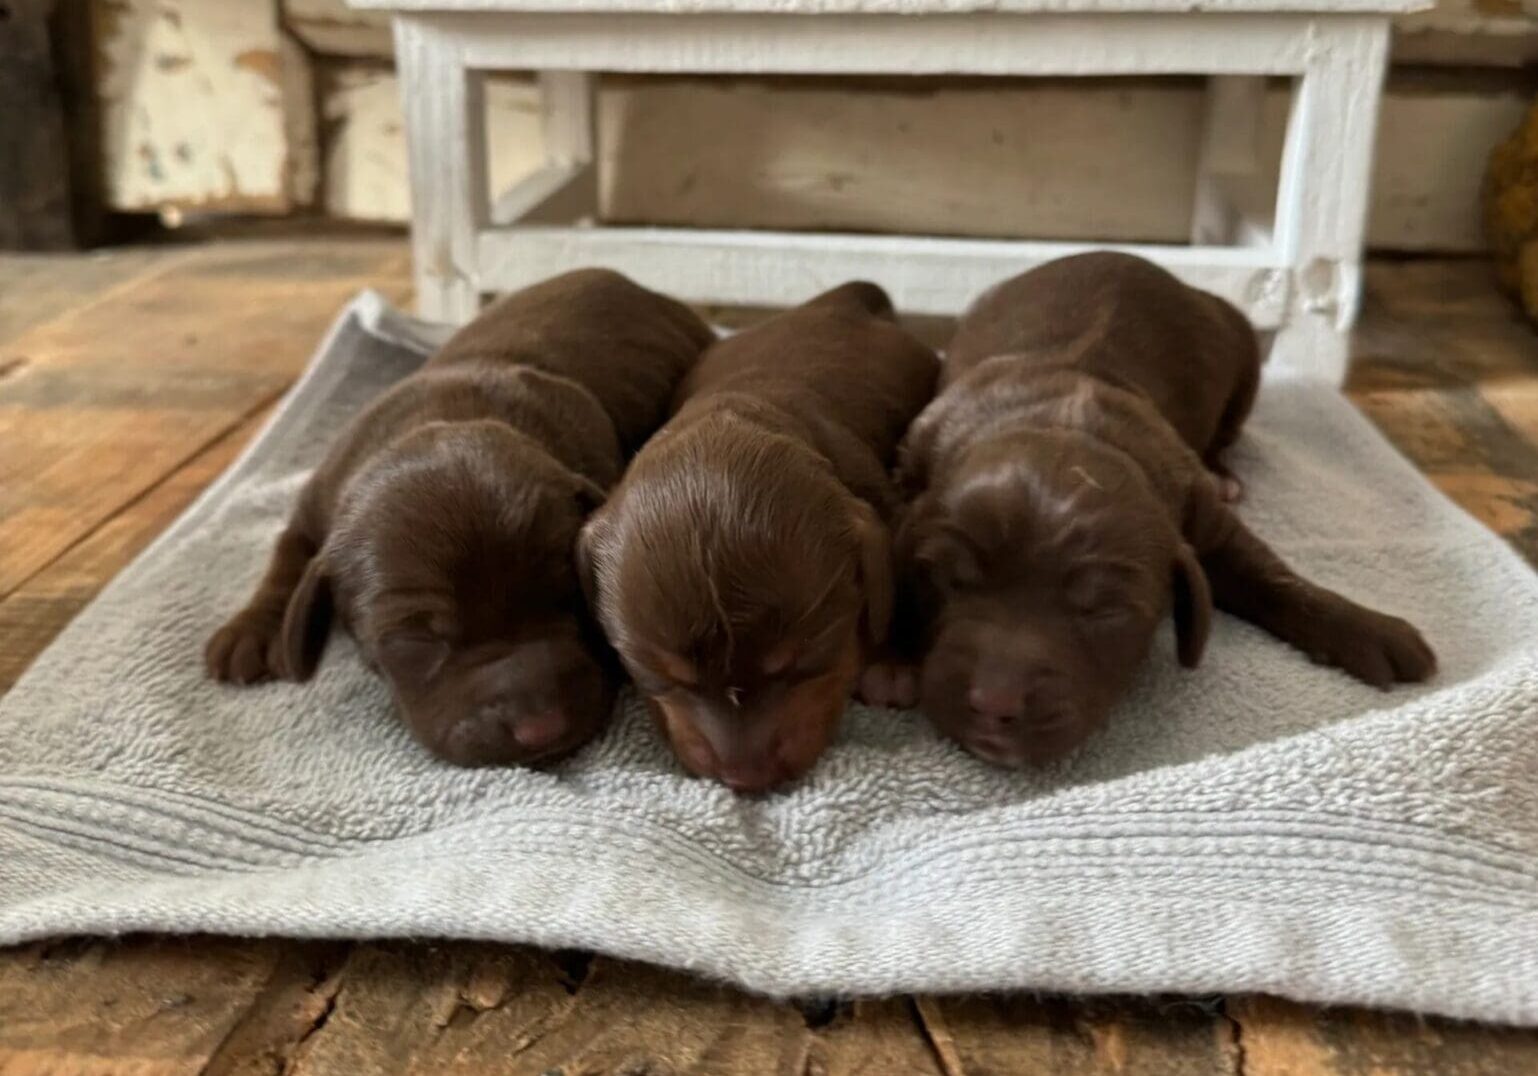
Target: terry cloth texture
{"x": 1258, "y": 824}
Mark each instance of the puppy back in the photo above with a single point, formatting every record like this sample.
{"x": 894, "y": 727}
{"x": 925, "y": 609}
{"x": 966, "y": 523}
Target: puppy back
{"x": 625, "y": 344}
{"x": 831, "y": 361}
{"x": 1120, "y": 318}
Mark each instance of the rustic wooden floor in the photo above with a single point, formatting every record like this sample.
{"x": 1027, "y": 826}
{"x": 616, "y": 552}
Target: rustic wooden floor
{"x": 129, "y": 380}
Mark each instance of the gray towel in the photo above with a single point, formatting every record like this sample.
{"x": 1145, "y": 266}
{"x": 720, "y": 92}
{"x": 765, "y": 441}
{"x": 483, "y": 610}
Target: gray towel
{"x": 1258, "y": 824}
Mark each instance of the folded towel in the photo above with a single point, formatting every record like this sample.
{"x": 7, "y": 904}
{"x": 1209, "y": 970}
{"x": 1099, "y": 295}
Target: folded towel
{"x": 1258, "y": 824}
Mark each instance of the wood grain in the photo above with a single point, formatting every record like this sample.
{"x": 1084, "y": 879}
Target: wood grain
{"x": 146, "y": 1007}
{"x": 117, "y": 394}
{"x": 998, "y": 1035}
{"x": 1283, "y": 1038}
{"x": 36, "y": 288}
{"x": 38, "y": 610}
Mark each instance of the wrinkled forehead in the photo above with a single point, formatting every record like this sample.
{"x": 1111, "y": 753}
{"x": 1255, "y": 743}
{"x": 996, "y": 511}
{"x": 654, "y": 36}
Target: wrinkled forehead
{"x": 474, "y": 548}
{"x": 1062, "y": 507}
{"x": 714, "y": 617}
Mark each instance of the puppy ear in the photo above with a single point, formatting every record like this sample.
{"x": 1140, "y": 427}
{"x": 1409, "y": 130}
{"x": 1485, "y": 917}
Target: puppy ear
{"x": 875, "y": 572}
{"x": 585, "y": 554}
{"x": 1193, "y": 606}
{"x": 306, "y": 622}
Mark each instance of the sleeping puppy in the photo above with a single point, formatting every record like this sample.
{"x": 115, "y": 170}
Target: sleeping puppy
{"x": 743, "y": 565}
{"x": 1067, "y": 496}
{"x": 440, "y": 526}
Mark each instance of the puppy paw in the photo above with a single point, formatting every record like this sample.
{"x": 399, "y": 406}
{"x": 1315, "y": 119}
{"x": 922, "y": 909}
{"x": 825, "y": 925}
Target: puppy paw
{"x": 1376, "y": 648}
{"x": 1225, "y": 484}
{"x": 890, "y": 684}
{"x": 246, "y": 649}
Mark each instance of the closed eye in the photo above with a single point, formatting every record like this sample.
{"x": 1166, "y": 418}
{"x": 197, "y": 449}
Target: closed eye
{"x": 1102, "y": 592}
{"x": 952, "y": 562}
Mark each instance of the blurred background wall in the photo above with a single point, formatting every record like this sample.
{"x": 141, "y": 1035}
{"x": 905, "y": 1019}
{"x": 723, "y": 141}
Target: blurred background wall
{"x": 281, "y": 107}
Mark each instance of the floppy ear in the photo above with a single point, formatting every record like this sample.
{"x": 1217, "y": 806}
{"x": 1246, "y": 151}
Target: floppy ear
{"x": 875, "y": 572}
{"x": 306, "y": 622}
{"x": 1193, "y": 606}
{"x": 585, "y": 554}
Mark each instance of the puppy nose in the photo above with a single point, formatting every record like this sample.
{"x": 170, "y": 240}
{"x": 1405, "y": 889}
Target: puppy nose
{"x": 749, "y": 777}
{"x": 999, "y": 705}
{"x": 540, "y": 729}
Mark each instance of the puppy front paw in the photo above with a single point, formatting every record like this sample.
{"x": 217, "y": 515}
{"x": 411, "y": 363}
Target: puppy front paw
{"x": 1376, "y": 648}
{"x": 1225, "y": 483}
{"x": 889, "y": 683}
{"x": 246, "y": 649}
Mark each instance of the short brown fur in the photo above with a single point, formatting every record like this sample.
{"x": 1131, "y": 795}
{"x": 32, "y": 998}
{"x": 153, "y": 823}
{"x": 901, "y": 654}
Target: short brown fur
{"x": 1067, "y": 495}
{"x": 742, "y": 567}
{"x": 440, "y": 526}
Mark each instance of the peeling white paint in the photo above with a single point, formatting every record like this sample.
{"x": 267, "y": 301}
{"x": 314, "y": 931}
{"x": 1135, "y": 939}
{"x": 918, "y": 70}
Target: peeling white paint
{"x": 195, "y": 108}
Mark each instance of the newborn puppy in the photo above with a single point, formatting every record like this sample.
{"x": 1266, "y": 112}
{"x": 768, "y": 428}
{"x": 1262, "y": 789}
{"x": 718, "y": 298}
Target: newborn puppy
{"x": 440, "y": 526}
{"x": 743, "y": 564}
{"x": 1066, "y": 500}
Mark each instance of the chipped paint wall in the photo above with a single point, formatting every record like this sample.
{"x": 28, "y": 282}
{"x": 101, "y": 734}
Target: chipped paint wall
{"x": 205, "y": 104}
{"x": 209, "y": 105}
{"x": 365, "y": 152}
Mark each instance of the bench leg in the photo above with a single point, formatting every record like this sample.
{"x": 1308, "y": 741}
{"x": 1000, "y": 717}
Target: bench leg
{"x": 1321, "y": 211}
{"x": 445, "y": 115}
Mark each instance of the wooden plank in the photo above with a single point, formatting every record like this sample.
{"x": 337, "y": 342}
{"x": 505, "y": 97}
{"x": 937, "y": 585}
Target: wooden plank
{"x": 908, "y": 8}
{"x": 835, "y": 44}
{"x": 365, "y": 151}
{"x": 923, "y": 275}
{"x": 35, "y": 209}
{"x": 38, "y": 610}
{"x": 35, "y": 288}
{"x": 1446, "y": 370}
{"x": 156, "y": 1006}
{"x": 478, "y": 1008}
{"x": 872, "y": 1038}
{"x": 1283, "y": 1038}
{"x": 428, "y": 1008}
{"x": 982, "y": 1035}
{"x": 562, "y": 191}
{"x": 445, "y": 108}
{"x": 1044, "y": 159}
{"x": 118, "y": 394}
{"x": 335, "y": 28}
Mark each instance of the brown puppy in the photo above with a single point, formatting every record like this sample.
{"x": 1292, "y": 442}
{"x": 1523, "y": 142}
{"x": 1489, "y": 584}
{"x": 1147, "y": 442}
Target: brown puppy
{"x": 744, "y": 563}
{"x": 1065, "y": 499}
{"x": 441, "y": 524}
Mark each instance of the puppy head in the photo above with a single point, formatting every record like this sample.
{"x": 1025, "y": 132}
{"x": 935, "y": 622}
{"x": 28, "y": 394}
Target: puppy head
{"x": 1049, "y": 562}
{"x": 739, "y": 581}
{"x": 450, "y": 560}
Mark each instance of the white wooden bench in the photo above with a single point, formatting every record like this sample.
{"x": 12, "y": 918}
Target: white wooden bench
{"x": 1294, "y": 268}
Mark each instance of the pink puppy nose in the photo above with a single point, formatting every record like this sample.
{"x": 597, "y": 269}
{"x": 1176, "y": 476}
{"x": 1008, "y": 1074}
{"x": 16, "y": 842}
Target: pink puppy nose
{"x": 540, "y": 729}
{"x": 996, "y": 703}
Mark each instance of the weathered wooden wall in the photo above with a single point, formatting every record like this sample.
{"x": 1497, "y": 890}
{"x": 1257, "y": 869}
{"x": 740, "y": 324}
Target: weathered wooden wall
{"x": 209, "y": 105}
